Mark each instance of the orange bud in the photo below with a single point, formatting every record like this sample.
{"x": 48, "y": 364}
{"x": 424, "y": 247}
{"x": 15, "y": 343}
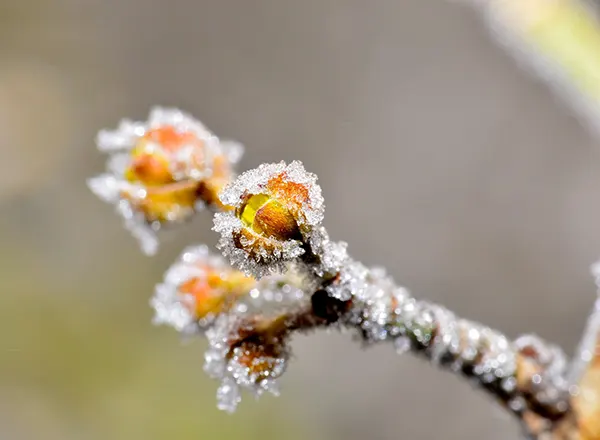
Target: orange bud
{"x": 169, "y": 138}
{"x": 261, "y": 361}
{"x": 276, "y": 209}
{"x": 149, "y": 169}
{"x": 293, "y": 194}
{"x": 215, "y": 291}
{"x": 205, "y": 299}
{"x": 162, "y": 171}
{"x": 173, "y": 202}
{"x": 275, "y": 220}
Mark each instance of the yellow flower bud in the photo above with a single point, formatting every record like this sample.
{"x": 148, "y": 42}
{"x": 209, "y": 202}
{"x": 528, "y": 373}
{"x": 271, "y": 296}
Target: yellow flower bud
{"x": 215, "y": 291}
{"x": 162, "y": 171}
{"x": 276, "y": 208}
{"x": 197, "y": 288}
{"x": 268, "y": 217}
{"x": 165, "y": 203}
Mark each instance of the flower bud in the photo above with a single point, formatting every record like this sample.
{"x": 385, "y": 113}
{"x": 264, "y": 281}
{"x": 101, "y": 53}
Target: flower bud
{"x": 276, "y": 209}
{"x": 162, "y": 171}
{"x": 268, "y": 217}
{"x": 197, "y": 288}
{"x": 149, "y": 169}
{"x": 245, "y": 353}
{"x": 258, "y": 362}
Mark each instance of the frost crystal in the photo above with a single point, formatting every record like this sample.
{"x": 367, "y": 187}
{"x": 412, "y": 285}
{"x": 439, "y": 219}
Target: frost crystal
{"x": 352, "y": 281}
{"x": 333, "y": 255}
{"x": 156, "y": 168}
{"x": 374, "y": 293}
{"x": 550, "y": 386}
{"x": 276, "y": 292}
{"x": 111, "y": 189}
{"x": 277, "y": 208}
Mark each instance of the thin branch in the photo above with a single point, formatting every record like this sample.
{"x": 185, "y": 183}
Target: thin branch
{"x": 523, "y": 376}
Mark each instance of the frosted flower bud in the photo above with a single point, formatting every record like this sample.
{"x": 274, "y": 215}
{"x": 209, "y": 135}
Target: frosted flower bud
{"x": 242, "y": 356}
{"x": 257, "y": 362}
{"x": 196, "y": 289}
{"x": 276, "y": 209}
{"x": 162, "y": 171}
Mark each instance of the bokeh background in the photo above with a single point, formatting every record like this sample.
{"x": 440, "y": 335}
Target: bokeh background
{"x": 439, "y": 158}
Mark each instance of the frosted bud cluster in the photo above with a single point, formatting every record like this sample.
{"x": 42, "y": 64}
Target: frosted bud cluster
{"x": 202, "y": 293}
{"x": 285, "y": 274}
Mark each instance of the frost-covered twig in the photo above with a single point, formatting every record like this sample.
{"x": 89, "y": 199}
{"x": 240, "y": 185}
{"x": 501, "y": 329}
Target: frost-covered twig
{"x": 287, "y": 275}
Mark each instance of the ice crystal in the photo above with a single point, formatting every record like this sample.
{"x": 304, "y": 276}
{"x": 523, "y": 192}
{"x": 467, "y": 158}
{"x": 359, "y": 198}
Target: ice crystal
{"x": 171, "y": 306}
{"x": 351, "y": 281}
{"x": 374, "y": 294}
{"x": 156, "y": 168}
{"x": 277, "y": 291}
{"x": 333, "y": 255}
{"x": 260, "y": 241}
{"x": 550, "y": 386}
{"x": 111, "y": 189}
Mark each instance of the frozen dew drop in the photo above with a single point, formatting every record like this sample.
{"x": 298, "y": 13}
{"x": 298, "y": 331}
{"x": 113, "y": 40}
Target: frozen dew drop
{"x": 402, "y": 344}
{"x": 228, "y": 395}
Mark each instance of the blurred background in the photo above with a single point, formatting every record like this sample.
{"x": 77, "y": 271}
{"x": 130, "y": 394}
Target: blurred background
{"x": 438, "y": 156}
